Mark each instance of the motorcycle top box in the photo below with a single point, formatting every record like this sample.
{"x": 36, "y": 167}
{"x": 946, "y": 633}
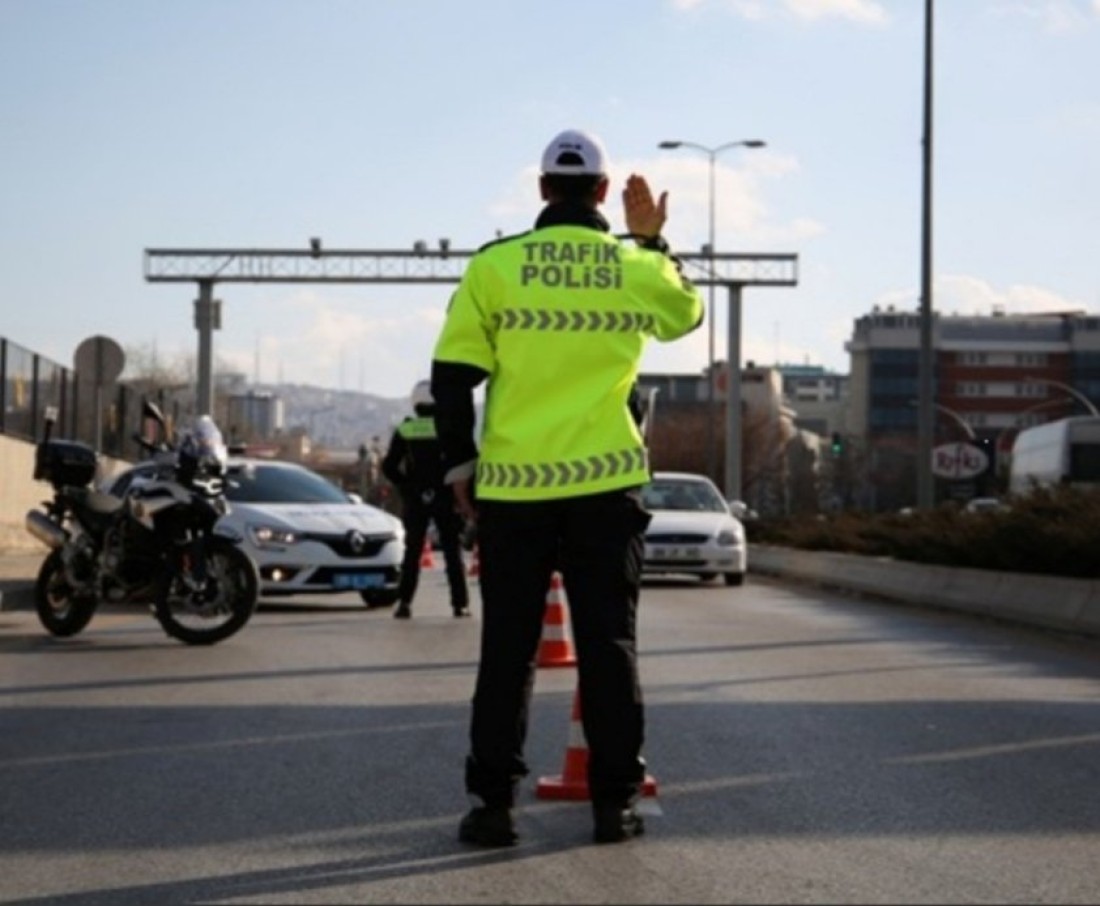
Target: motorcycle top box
{"x": 64, "y": 463}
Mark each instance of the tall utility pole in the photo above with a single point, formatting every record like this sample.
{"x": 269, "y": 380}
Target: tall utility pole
{"x": 926, "y": 379}
{"x": 712, "y": 155}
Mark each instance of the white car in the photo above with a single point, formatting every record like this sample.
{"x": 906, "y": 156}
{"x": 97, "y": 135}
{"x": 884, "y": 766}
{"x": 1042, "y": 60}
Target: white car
{"x": 305, "y": 534}
{"x": 692, "y": 531}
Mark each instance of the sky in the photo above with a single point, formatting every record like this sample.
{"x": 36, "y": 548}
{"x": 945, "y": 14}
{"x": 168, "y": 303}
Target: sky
{"x": 131, "y": 124}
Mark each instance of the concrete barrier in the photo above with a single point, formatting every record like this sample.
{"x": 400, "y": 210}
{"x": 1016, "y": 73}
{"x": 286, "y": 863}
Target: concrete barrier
{"x": 1050, "y": 602}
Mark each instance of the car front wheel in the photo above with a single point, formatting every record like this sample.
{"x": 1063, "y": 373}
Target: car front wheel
{"x": 734, "y": 578}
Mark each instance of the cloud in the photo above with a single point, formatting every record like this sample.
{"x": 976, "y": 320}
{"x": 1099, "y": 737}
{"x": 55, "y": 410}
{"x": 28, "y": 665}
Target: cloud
{"x": 867, "y": 12}
{"x": 967, "y": 295}
{"x": 1054, "y": 16}
{"x": 336, "y": 340}
{"x": 961, "y": 294}
{"x": 741, "y": 213}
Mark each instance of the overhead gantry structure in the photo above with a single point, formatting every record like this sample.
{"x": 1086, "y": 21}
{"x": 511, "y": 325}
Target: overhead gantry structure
{"x": 424, "y": 265}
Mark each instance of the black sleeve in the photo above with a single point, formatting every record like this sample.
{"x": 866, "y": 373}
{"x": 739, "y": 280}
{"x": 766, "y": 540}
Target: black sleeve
{"x": 393, "y": 463}
{"x": 636, "y": 406}
{"x": 453, "y": 391}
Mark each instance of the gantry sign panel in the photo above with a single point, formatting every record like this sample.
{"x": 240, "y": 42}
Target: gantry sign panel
{"x": 401, "y": 266}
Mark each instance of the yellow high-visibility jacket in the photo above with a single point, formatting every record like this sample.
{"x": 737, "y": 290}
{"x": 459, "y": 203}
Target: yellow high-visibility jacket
{"x": 558, "y": 317}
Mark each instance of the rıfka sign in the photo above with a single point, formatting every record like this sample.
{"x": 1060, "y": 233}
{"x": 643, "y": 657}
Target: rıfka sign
{"x": 959, "y": 460}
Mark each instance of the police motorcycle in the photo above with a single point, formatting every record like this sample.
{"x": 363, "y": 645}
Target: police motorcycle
{"x": 156, "y": 545}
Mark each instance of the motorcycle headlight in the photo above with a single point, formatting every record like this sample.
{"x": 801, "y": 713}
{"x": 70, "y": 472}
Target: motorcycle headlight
{"x": 266, "y": 535}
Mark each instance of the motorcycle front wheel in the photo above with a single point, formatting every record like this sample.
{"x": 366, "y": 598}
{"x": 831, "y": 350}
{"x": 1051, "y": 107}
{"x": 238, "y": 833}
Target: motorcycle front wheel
{"x": 213, "y": 613}
{"x": 60, "y": 609}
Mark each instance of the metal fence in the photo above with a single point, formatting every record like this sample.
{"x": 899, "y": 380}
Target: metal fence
{"x": 105, "y": 418}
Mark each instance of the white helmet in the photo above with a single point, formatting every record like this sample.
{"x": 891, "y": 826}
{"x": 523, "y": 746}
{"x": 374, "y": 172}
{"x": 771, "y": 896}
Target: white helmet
{"x": 422, "y": 394}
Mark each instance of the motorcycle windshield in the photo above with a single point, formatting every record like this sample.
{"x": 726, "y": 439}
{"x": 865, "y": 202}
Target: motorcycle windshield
{"x": 209, "y": 443}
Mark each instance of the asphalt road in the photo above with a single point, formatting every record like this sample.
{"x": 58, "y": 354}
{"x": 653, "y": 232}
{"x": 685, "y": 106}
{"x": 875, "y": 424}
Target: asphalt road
{"x": 806, "y": 748}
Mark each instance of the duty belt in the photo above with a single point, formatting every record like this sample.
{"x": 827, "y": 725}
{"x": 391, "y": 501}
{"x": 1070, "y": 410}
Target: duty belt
{"x": 556, "y": 474}
{"x": 556, "y": 319}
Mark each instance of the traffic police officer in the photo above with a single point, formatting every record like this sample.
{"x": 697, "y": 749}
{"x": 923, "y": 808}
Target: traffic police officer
{"x": 556, "y": 319}
{"x": 414, "y": 464}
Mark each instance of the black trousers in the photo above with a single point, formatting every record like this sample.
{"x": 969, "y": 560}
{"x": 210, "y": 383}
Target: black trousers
{"x": 597, "y": 543}
{"x": 417, "y": 511}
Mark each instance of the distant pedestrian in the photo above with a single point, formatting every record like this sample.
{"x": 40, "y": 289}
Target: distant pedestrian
{"x": 556, "y": 319}
{"x": 414, "y": 465}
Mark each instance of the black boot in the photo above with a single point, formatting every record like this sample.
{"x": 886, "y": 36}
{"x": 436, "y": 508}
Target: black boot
{"x": 488, "y": 825}
{"x": 614, "y": 823}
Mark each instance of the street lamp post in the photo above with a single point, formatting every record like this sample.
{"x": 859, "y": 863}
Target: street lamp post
{"x": 958, "y": 420}
{"x": 926, "y": 362}
{"x": 954, "y": 416}
{"x": 712, "y": 156}
{"x": 1072, "y": 391}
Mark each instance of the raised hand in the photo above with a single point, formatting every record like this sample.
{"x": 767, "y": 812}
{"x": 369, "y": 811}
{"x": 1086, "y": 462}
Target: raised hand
{"x": 644, "y": 217}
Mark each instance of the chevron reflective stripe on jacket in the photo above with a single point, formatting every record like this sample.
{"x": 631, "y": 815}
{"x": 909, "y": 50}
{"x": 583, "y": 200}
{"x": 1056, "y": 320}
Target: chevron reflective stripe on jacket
{"x": 557, "y": 474}
{"x": 556, "y": 319}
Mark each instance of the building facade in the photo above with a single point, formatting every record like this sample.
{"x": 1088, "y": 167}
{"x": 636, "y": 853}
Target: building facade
{"x": 255, "y": 416}
{"x": 779, "y": 461}
{"x": 992, "y": 376}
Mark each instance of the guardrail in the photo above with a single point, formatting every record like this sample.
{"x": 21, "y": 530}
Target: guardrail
{"x": 31, "y": 382}
{"x": 1049, "y": 602}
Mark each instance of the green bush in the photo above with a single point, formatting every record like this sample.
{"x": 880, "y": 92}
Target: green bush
{"x": 1053, "y": 531}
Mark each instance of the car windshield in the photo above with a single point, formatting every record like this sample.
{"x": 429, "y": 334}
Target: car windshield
{"x": 681, "y": 494}
{"x": 258, "y": 483}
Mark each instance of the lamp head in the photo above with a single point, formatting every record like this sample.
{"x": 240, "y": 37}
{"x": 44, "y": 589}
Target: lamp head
{"x": 669, "y": 145}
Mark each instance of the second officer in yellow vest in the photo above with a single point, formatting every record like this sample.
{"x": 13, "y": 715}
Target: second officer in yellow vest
{"x": 414, "y": 464}
{"x": 556, "y": 320}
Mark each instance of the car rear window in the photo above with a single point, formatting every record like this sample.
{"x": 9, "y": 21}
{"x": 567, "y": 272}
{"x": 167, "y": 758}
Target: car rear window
{"x": 278, "y": 484}
{"x": 683, "y": 495}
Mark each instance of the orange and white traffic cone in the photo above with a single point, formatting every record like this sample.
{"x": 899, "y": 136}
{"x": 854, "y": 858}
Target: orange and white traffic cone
{"x": 555, "y": 647}
{"x": 427, "y": 556}
{"x": 475, "y": 564}
{"x": 572, "y": 782}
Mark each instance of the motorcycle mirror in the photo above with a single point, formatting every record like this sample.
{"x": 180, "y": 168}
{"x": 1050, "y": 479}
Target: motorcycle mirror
{"x": 149, "y": 409}
{"x": 49, "y": 418}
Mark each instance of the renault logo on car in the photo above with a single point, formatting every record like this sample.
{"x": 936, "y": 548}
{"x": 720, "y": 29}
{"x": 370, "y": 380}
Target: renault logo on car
{"x": 356, "y": 541}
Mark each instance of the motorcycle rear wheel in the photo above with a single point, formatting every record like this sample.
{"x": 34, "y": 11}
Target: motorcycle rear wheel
{"x": 60, "y": 609}
{"x": 233, "y": 590}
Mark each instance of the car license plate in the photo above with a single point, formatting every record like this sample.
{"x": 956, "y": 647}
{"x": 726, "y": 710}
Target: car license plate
{"x": 357, "y": 580}
{"x": 671, "y": 552}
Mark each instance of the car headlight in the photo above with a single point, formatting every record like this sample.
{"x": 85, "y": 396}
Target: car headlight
{"x": 265, "y": 535}
{"x": 728, "y": 538}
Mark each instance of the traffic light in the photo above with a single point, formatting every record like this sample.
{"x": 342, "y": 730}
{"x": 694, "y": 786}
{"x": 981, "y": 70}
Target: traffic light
{"x": 837, "y": 445}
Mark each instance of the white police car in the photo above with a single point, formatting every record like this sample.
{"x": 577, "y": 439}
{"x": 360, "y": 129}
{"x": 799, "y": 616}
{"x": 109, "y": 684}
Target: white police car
{"x": 305, "y": 534}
